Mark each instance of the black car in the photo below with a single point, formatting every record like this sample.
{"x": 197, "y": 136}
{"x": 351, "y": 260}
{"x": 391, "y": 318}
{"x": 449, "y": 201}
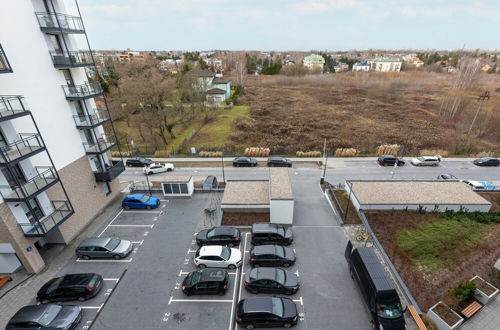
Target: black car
{"x": 271, "y": 233}
{"x": 487, "y": 161}
{"x": 48, "y": 316}
{"x": 138, "y": 162}
{"x": 271, "y": 280}
{"x": 388, "y": 160}
{"x": 244, "y": 161}
{"x": 206, "y": 281}
{"x": 279, "y": 161}
{"x": 446, "y": 176}
{"x": 219, "y": 236}
{"x": 267, "y": 312}
{"x": 71, "y": 287}
{"x": 271, "y": 255}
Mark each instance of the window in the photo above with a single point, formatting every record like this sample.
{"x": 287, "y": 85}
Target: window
{"x": 184, "y": 188}
{"x": 175, "y": 188}
{"x": 4, "y": 63}
{"x": 35, "y": 212}
{"x": 107, "y": 188}
{"x": 167, "y": 188}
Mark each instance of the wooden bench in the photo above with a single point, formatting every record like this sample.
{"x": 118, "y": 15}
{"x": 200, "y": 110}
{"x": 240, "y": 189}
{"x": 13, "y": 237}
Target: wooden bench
{"x": 416, "y": 318}
{"x": 4, "y": 280}
{"x": 471, "y": 309}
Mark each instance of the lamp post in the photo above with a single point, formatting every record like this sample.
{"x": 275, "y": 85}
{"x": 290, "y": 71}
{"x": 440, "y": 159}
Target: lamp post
{"x": 322, "y": 180}
{"x": 147, "y": 180}
{"x": 223, "y": 174}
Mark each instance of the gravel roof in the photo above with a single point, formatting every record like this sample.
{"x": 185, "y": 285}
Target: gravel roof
{"x": 246, "y": 192}
{"x": 171, "y": 178}
{"x": 279, "y": 186}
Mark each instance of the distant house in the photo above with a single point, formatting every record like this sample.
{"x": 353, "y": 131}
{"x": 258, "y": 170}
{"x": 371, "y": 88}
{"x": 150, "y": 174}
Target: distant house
{"x": 314, "y": 62}
{"x": 341, "y": 67}
{"x": 361, "y": 66}
{"x": 416, "y": 62}
{"x": 170, "y": 65}
{"x": 131, "y": 56}
{"x": 450, "y": 69}
{"x": 385, "y": 64}
{"x": 217, "y": 89}
{"x": 490, "y": 66}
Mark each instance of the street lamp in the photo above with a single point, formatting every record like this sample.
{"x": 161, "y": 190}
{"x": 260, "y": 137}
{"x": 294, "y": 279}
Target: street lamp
{"x": 223, "y": 174}
{"x": 147, "y": 180}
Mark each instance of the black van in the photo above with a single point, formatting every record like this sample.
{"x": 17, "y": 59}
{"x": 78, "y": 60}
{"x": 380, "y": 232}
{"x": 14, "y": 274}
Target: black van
{"x": 206, "y": 281}
{"x": 376, "y": 287}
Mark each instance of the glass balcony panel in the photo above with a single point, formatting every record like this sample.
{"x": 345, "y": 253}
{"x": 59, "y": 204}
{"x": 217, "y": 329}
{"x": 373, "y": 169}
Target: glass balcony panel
{"x": 71, "y": 59}
{"x": 103, "y": 144}
{"x": 12, "y": 105}
{"x": 97, "y": 117}
{"x": 55, "y": 22}
{"x": 111, "y": 172}
{"x": 4, "y": 63}
{"x": 46, "y": 177}
{"x": 86, "y": 90}
{"x": 62, "y": 210}
{"x": 29, "y": 144}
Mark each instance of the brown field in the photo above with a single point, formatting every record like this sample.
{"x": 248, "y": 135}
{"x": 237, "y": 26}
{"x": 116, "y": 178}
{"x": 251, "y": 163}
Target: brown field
{"x": 363, "y": 110}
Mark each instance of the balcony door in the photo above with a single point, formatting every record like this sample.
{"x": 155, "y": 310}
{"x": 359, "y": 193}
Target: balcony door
{"x": 34, "y": 213}
{"x": 88, "y": 136}
{"x": 3, "y": 141}
{"x": 68, "y": 77}
{"x": 14, "y": 175}
{"x": 56, "y": 43}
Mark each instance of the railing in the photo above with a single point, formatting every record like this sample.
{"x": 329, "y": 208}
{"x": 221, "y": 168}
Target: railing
{"x": 12, "y": 105}
{"x": 96, "y": 118}
{"x": 62, "y": 210}
{"x": 21, "y": 148}
{"x": 71, "y": 59}
{"x": 88, "y": 89}
{"x": 46, "y": 177}
{"x": 103, "y": 144}
{"x": 55, "y": 22}
{"x": 4, "y": 63}
{"x": 111, "y": 172}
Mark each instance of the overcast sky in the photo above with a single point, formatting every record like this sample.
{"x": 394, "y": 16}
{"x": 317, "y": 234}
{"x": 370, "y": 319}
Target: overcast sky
{"x": 291, "y": 24}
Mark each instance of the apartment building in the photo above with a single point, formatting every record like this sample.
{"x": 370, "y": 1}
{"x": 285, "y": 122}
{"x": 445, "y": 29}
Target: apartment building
{"x": 56, "y": 173}
{"x": 385, "y": 64}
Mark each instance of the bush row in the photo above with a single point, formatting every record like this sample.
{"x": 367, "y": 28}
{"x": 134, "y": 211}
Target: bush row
{"x": 308, "y": 153}
{"x": 478, "y": 216}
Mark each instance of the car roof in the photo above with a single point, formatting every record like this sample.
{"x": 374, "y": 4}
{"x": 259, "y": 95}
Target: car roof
{"x": 387, "y": 156}
{"x": 224, "y": 230}
{"x": 77, "y": 279}
{"x": 428, "y": 157}
{"x": 276, "y": 158}
{"x": 264, "y": 227}
{"x": 213, "y": 275}
{"x": 95, "y": 241}
{"x": 263, "y": 249}
{"x": 263, "y": 304}
{"x": 32, "y": 313}
{"x": 210, "y": 250}
{"x": 377, "y": 273}
{"x": 268, "y": 273}
{"x": 134, "y": 196}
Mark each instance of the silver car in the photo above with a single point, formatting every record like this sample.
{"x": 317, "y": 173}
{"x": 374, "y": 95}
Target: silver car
{"x": 104, "y": 247}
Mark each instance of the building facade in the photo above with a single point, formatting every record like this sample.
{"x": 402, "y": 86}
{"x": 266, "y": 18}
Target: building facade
{"x": 314, "y": 62}
{"x": 56, "y": 173}
{"x": 385, "y": 64}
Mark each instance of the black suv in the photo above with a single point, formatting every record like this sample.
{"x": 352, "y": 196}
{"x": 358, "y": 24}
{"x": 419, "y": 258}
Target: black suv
{"x": 271, "y": 255}
{"x": 219, "y": 236}
{"x": 206, "y": 281}
{"x": 271, "y": 233}
{"x": 267, "y": 312}
{"x": 388, "y": 160}
{"x": 244, "y": 161}
{"x": 279, "y": 161}
{"x": 487, "y": 161}
{"x": 138, "y": 162}
{"x": 271, "y": 280}
{"x": 71, "y": 287}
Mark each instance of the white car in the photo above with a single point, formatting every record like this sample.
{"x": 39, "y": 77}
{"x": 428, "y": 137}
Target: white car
{"x": 474, "y": 185}
{"x": 426, "y": 161}
{"x": 158, "y": 168}
{"x": 217, "y": 256}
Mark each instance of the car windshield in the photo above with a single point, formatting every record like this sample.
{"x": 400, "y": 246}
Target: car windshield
{"x": 54, "y": 285}
{"x": 392, "y": 311}
{"x": 277, "y": 306}
{"x": 112, "y": 244}
{"x": 211, "y": 233}
{"x": 421, "y": 159}
{"x": 195, "y": 278}
{"x": 144, "y": 198}
{"x": 279, "y": 250}
{"x": 281, "y": 231}
{"x": 225, "y": 253}
{"x": 49, "y": 315}
{"x": 280, "y": 276}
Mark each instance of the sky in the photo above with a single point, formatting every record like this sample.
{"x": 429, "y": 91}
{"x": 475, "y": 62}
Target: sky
{"x": 291, "y": 24}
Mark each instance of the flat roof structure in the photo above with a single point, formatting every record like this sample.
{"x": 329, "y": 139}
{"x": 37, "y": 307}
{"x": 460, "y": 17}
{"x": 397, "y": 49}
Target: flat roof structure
{"x": 246, "y": 193}
{"x": 279, "y": 185}
{"x": 171, "y": 179}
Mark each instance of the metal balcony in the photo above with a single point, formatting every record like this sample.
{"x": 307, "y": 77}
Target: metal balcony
{"x": 12, "y": 106}
{"x": 64, "y": 60}
{"x": 4, "y": 62}
{"x": 40, "y": 228}
{"x": 27, "y": 146}
{"x": 98, "y": 117}
{"x": 83, "y": 91}
{"x": 46, "y": 178}
{"x": 103, "y": 144}
{"x": 59, "y": 23}
{"x": 111, "y": 172}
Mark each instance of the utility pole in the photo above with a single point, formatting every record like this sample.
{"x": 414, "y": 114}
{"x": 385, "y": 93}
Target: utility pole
{"x": 147, "y": 180}
{"x": 481, "y": 98}
{"x": 322, "y": 180}
{"x": 223, "y": 174}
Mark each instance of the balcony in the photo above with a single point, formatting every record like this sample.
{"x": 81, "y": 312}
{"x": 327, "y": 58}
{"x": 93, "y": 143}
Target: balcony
{"x": 12, "y": 106}
{"x": 4, "y": 62}
{"x": 29, "y": 145}
{"x": 59, "y": 23}
{"x": 83, "y": 91}
{"x": 40, "y": 228}
{"x": 64, "y": 60}
{"x": 103, "y": 145}
{"x": 99, "y": 117}
{"x": 111, "y": 172}
{"x": 46, "y": 178}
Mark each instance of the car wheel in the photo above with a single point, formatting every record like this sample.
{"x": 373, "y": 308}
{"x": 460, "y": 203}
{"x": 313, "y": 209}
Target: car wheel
{"x": 287, "y": 325}
{"x": 116, "y": 257}
{"x": 255, "y": 291}
{"x": 148, "y": 207}
{"x": 169, "y": 169}
{"x": 231, "y": 266}
{"x": 202, "y": 266}
{"x": 189, "y": 293}
{"x": 286, "y": 264}
{"x": 81, "y": 298}
{"x": 85, "y": 257}
{"x": 250, "y": 326}
{"x": 127, "y": 207}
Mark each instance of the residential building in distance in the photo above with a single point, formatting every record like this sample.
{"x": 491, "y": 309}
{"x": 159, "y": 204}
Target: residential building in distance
{"x": 416, "y": 62}
{"x": 385, "y": 64}
{"x": 314, "y": 62}
{"x": 217, "y": 89}
{"x": 490, "y": 67}
{"x": 341, "y": 67}
{"x": 131, "y": 56}
{"x": 361, "y": 66}
{"x": 56, "y": 173}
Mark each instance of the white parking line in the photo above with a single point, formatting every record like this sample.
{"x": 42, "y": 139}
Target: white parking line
{"x": 237, "y": 280}
{"x": 91, "y": 307}
{"x": 149, "y": 226}
{"x": 109, "y": 224}
{"x": 199, "y": 300}
{"x": 317, "y": 226}
{"x": 111, "y": 260}
{"x": 130, "y": 211}
{"x": 138, "y": 242}
{"x": 297, "y": 273}
{"x": 185, "y": 273}
{"x": 299, "y": 300}
{"x": 191, "y": 251}
{"x": 111, "y": 279}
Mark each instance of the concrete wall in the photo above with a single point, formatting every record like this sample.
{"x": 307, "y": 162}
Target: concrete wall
{"x": 245, "y": 208}
{"x": 282, "y": 211}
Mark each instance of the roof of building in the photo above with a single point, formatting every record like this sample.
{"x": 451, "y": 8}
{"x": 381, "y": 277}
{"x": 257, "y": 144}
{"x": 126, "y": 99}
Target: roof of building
{"x": 216, "y": 91}
{"x": 279, "y": 184}
{"x": 361, "y": 63}
{"x": 384, "y": 60}
{"x": 315, "y": 59}
{"x": 246, "y": 192}
{"x": 221, "y": 80}
{"x": 415, "y": 192}
{"x": 171, "y": 178}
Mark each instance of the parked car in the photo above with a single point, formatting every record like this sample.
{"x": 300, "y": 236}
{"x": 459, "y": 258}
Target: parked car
{"x": 217, "y": 256}
{"x": 271, "y": 280}
{"x": 70, "y": 287}
{"x": 223, "y": 235}
{"x": 266, "y": 312}
{"x": 104, "y": 247}
{"x": 271, "y": 255}
{"x": 388, "y": 160}
{"x": 271, "y": 233}
{"x": 206, "y": 281}
{"x": 158, "y": 168}
{"x": 138, "y": 162}
{"x": 244, "y": 161}
{"x": 426, "y": 161}
{"x": 48, "y": 316}
{"x": 474, "y": 185}
{"x": 487, "y": 161}
{"x": 446, "y": 176}
{"x": 376, "y": 287}
{"x": 279, "y": 161}
{"x": 140, "y": 201}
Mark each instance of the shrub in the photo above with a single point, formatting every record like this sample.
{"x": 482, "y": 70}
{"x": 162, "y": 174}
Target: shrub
{"x": 387, "y": 149}
{"x": 461, "y": 294}
{"x": 482, "y": 217}
{"x": 485, "y": 154}
{"x": 308, "y": 154}
{"x": 210, "y": 154}
{"x": 257, "y": 152}
{"x": 346, "y": 152}
{"x": 161, "y": 153}
{"x": 118, "y": 153}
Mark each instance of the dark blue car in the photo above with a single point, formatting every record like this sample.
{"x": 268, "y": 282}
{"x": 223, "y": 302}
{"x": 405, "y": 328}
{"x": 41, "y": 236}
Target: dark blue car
{"x": 140, "y": 201}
